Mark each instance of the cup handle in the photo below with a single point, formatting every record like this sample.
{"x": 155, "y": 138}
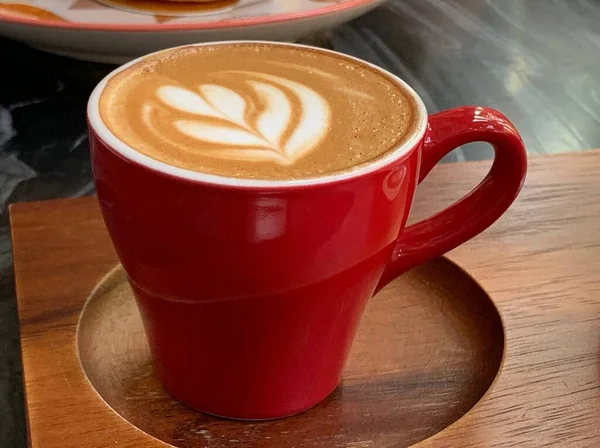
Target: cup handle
{"x": 480, "y": 208}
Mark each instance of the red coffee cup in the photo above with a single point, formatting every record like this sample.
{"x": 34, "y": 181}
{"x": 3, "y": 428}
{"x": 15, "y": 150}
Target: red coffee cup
{"x": 251, "y": 291}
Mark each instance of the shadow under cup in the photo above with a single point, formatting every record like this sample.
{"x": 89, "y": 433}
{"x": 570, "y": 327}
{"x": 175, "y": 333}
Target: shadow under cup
{"x": 251, "y": 292}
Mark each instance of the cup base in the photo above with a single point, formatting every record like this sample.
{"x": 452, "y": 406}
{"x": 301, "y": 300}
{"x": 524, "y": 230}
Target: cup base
{"x": 259, "y": 419}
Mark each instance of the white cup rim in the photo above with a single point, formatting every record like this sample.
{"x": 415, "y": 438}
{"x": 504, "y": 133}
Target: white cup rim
{"x": 129, "y": 153}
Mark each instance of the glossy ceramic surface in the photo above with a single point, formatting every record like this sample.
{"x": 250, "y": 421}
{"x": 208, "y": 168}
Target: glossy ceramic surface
{"x": 251, "y": 295}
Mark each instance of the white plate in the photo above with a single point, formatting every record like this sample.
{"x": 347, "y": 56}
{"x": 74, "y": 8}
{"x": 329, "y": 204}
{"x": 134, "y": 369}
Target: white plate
{"x": 95, "y": 31}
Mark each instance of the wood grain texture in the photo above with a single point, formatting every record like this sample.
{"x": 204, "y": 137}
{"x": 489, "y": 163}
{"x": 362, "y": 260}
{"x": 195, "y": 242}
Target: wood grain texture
{"x": 540, "y": 264}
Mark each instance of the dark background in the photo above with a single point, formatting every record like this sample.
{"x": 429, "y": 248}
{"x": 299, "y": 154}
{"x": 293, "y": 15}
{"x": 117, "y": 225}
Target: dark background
{"x": 538, "y": 61}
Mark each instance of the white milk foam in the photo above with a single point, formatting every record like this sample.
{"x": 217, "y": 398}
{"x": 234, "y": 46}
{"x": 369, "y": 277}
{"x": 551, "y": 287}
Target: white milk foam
{"x": 258, "y": 111}
{"x": 289, "y": 119}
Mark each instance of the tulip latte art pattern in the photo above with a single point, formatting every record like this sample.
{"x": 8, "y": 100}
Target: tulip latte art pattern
{"x": 263, "y": 130}
{"x": 257, "y": 111}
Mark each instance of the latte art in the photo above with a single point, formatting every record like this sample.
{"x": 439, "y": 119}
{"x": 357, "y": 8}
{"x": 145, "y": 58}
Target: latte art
{"x": 257, "y": 110}
{"x": 263, "y": 128}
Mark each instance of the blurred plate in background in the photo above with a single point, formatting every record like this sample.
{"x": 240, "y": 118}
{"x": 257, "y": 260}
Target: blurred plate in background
{"x": 119, "y": 30}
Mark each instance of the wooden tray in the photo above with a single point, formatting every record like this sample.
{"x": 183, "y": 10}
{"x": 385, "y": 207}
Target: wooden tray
{"x": 429, "y": 345}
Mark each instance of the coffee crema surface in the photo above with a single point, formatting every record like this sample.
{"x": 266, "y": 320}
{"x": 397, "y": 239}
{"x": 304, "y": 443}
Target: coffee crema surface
{"x": 258, "y": 111}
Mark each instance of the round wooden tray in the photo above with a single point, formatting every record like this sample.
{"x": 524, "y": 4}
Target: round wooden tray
{"x": 429, "y": 347}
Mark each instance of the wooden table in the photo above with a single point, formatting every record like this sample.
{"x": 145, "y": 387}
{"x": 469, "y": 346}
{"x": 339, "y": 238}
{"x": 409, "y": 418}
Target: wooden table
{"x": 540, "y": 265}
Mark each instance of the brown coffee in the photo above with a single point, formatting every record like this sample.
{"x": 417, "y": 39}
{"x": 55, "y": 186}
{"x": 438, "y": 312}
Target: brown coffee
{"x": 258, "y": 110}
